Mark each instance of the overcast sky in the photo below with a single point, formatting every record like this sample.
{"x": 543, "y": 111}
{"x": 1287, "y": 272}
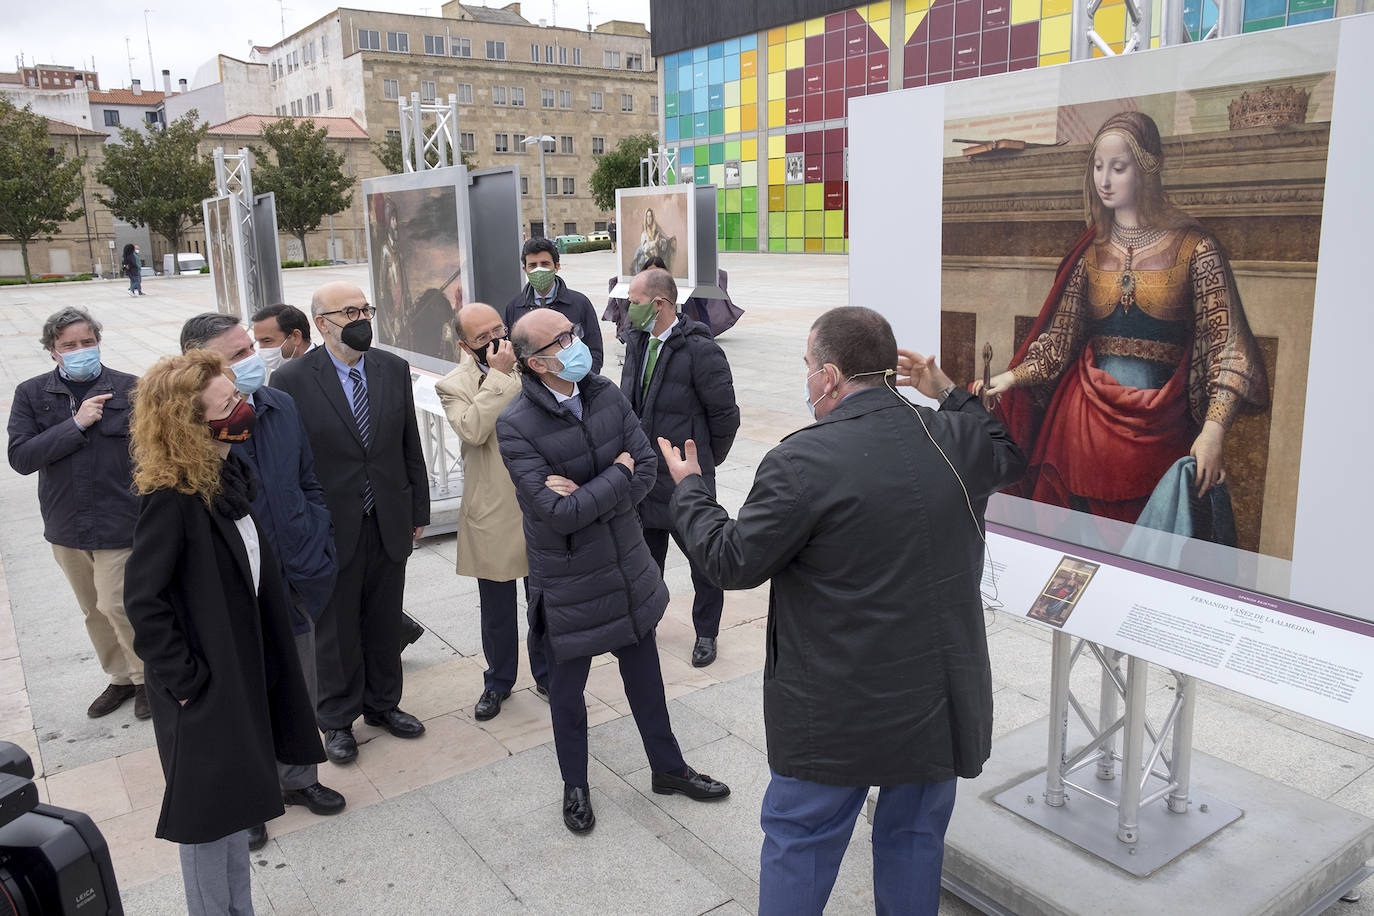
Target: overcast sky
{"x": 186, "y": 35}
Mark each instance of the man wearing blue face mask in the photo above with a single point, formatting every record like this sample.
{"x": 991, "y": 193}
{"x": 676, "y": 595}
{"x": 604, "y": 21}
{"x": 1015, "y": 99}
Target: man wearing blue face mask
{"x": 544, "y": 289}
{"x": 71, "y": 425}
{"x": 581, "y": 463}
{"x": 289, "y": 506}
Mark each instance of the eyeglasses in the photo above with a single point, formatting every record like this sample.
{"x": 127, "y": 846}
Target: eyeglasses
{"x": 481, "y": 340}
{"x": 563, "y": 340}
{"x": 353, "y": 313}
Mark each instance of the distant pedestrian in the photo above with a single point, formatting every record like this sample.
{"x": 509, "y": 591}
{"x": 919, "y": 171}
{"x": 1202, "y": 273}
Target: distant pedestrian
{"x": 133, "y": 269}
{"x": 611, "y": 229}
{"x": 71, "y": 425}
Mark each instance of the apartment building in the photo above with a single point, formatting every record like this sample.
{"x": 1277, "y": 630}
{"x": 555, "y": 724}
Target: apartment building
{"x": 513, "y": 79}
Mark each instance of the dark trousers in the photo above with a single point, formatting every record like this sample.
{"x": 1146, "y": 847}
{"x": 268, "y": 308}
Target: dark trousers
{"x": 357, "y": 638}
{"x": 500, "y": 638}
{"x": 643, "y": 681}
{"x": 708, "y": 601}
{"x": 807, "y": 827}
{"x": 301, "y": 775}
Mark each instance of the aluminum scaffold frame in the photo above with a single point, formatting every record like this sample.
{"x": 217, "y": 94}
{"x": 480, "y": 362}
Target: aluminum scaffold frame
{"x": 234, "y": 178}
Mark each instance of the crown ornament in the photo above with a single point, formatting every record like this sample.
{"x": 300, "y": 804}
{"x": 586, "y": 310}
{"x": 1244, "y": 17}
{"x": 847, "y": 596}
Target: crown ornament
{"x": 1269, "y": 107}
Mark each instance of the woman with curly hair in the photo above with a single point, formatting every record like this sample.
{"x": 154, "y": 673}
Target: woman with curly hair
{"x": 1141, "y": 358}
{"x": 210, "y": 618}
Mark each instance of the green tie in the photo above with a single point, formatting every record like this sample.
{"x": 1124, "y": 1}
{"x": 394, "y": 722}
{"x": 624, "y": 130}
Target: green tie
{"x": 654, "y": 343}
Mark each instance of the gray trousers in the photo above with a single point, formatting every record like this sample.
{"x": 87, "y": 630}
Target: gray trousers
{"x": 296, "y": 776}
{"x": 216, "y": 877}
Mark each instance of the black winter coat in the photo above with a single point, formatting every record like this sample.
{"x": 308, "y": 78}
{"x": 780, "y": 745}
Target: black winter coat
{"x": 204, "y": 636}
{"x": 877, "y": 665}
{"x": 84, "y": 480}
{"x": 574, "y": 306}
{"x": 691, "y": 396}
{"x": 590, "y": 570}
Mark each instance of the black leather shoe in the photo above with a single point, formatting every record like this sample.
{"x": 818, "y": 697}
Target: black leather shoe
{"x": 319, "y": 799}
{"x": 694, "y": 785}
{"x": 542, "y": 691}
{"x": 339, "y": 745}
{"x": 704, "y": 652}
{"x": 489, "y": 705}
{"x": 411, "y": 631}
{"x": 400, "y": 724}
{"x": 257, "y": 837}
{"x": 577, "y": 810}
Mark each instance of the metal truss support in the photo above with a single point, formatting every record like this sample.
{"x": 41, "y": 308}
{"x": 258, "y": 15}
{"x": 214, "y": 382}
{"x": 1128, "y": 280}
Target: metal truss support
{"x": 658, "y": 167}
{"x": 234, "y": 178}
{"x": 1163, "y": 755}
{"x": 1084, "y": 38}
{"x": 417, "y": 141}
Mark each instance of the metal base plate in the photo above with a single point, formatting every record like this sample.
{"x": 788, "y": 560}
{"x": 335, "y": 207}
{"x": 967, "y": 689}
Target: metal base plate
{"x": 1090, "y": 823}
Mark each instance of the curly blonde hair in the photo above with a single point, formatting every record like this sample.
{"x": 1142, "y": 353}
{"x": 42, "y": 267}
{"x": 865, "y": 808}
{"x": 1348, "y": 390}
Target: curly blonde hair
{"x": 169, "y": 439}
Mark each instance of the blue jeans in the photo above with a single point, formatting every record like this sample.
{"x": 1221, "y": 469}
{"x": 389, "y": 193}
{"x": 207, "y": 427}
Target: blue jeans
{"x": 136, "y": 281}
{"x": 806, "y": 830}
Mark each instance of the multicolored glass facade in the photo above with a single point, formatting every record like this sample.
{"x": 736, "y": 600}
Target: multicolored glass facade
{"x": 763, "y": 116}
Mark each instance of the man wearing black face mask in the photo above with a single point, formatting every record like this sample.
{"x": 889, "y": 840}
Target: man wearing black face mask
{"x": 359, "y": 414}
{"x": 491, "y": 545}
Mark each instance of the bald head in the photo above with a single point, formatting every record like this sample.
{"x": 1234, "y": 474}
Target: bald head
{"x": 336, "y": 295}
{"x": 653, "y": 283}
{"x": 476, "y": 319}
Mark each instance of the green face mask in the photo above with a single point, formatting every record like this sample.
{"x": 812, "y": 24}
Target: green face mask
{"x": 541, "y": 278}
{"x": 642, "y": 315}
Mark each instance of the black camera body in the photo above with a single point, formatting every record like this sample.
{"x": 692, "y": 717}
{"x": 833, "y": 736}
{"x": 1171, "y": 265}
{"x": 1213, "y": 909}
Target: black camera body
{"x": 53, "y": 862}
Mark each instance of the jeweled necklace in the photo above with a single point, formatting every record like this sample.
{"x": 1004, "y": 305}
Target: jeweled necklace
{"x": 1131, "y": 238}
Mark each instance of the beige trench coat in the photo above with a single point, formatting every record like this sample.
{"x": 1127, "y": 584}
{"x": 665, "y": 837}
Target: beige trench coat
{"x": 491, "y": 539}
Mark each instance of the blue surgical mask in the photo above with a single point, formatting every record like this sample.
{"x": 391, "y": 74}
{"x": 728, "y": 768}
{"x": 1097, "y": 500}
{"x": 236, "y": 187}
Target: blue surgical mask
{"x": 81, "y": 364}
{"x": 806, "y": 393}
{"x": 249, "y": 373}
{"x": 576, "y": 360}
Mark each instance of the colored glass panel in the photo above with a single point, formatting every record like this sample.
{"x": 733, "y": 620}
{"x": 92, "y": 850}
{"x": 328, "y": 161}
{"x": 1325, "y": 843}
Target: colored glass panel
{"x": 836, "y": 246}
{"x": 715, "y": 71}
{"x": 716, "y": 122}
{"x": 796, "y": 30}
{"x": 701, "y": 155}
{"x": 748, "y": 90}
{"x": 716, "y": 51}
{"x": 670, "y": 129}
{"x": 732, "y": 94}
{"x": 777, "y": 171}
{"x": 749, "y": 149}
{"x": 777, "y": 244}
{"x": 701, "y": 98}
{"x": 777, "y": 145}
{"x": 749, "y": 199}
{"x": 1265, "y": 9}
{"x": 748, "y": 43}
{"x": 834, "y": 224}
{"x": 732, "y": 67}
{"x": 1054, "y": 35}
{"x": 777, "y": 224}
{"x": 1259, "y": 25}
{"x": 794, "y": 197}
{"x": 796, "y": 53}
{"x": 815, "y": 27}
{"x": 777, "y": 58}
{"x": 716, "y": 155}
{"x": 1110, "y": 23}
{"x": 814, "y": 225}
{"x": 701, "y": 124}
{"x": 777, "y": 85}
{"x": 670, "y": 106}
{"x": 777, "y": 36}
{"x": 748, "y": 64}
{"x": 669, "y": 79}
{"x": 777, "y": 113}
{"x": 732, "y": 200}
{"x": 1313, "y": 15}
{"x": 814, "y": 245}
{"x": 815, "y": 195}
{"x": 796, "y": 245}
{"x": 796, "y": 223}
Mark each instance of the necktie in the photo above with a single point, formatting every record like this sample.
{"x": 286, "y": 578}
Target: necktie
{"x": 574, "y": 404}
{"x": 654, "y": 344}
{"x": 361, "y": 417}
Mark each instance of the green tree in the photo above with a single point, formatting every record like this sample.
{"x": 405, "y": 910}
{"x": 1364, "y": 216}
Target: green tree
{"x": 619, "y": 169}
{"x": 38, "y": 183}
{"x": 306, "y": 176}
{"x": 388, "y": 153}
{"x": 158, "y": 179}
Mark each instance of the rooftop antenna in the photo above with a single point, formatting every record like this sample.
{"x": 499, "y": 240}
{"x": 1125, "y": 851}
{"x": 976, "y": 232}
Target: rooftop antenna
{"x": 589, "y": 16}
{"x": 553, "y": 12}
{"x": 148, "y": 32}
{"x": 282, "y": 6}
{"x": 129, "y": 49}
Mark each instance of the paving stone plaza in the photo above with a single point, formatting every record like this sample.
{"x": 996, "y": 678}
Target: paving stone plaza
{"x": 467, "y": 819}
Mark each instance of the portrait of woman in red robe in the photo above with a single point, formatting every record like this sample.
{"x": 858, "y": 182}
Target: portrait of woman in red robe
{"x": 1141, "y": 354}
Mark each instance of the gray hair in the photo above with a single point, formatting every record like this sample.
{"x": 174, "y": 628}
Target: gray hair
{"x": 203, "y": 328}
{"x": 62, "y": 319}
{"x": 520, "y": 340}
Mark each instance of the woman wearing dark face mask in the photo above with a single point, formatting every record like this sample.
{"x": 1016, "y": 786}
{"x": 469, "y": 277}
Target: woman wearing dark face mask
{"x": 210, "y": 621}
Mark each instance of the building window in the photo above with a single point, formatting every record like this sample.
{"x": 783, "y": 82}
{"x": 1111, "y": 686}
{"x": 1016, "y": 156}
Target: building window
{"x": 524, "y": 184}
{"x": 546, "y": 98}
{"x": 517, "y": 96}
{"x": 427, "y": 90}
{"x": 392, "y": 132}
{"x": 562, "y": 55}
{"x": 598, "y": 146}
{"x": 599, "y": 226}
{"x": 610, "y": 60}
{"x": 534, "y": 52}
{"x": 548, "y": 54}
{"x": 328, "y": 96}
{"x": 568, "y": 186}
{"x": 436, "y": 44}
{"x": 272, "y": 71}
{"x": 598, "y": 101}
{"x": 317, "y": 103}
{"x": 503, "y": 143}
{"x": 653, "y": 104}
{"x": 551, "y": 146}
{"x": 152, "y": 118}
{"x": 634, "y": 61}
{"x": 111, "y": 117}
{"x": 467, "y": 142}
{"x": 308, "y": 52}
{"x": 369, "y": 40}
{"x": 551, "y": 186}
{"x": 565, "y": 98}
{"x": 570, "y": 228}
{"x": 498, "y": 95}
{"x": 627, "y": 102}
{"x": 496, "y": 50}
{"x": 391, "y": 89}
{"x": 461, "y": 47}
{"x": 518, "y": 142}
{"x": 398, "y": 42}
{"x": 565, "y": 145}
{"x": 324, "y": 47}
{"x": 577, "y": 57}
{"x": 465, "y": 93}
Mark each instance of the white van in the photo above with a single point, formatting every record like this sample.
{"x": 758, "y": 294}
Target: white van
{"x": 190, "y": 263}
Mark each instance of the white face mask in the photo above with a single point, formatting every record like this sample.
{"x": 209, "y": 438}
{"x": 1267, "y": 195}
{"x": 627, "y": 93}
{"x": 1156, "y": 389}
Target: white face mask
{"x": 806, "y": 392}
{"x": 271, "y": 357}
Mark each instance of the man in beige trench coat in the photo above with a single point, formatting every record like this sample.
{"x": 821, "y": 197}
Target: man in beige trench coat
{"x": 491, "y": 541}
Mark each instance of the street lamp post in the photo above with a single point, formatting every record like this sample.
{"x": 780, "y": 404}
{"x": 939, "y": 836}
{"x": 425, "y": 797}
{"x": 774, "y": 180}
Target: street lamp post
{"x": 543, "y": 178}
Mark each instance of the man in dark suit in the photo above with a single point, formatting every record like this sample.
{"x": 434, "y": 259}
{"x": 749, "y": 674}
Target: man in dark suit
{"x": 544, "y": 289}
{"x": 359, "y": 413}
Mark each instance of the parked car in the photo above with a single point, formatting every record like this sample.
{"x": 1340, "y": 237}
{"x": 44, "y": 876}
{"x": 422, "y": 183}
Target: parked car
{"x": 190, "y": 263}
{"x": 601, "y": 235}
{"x": 563, "y": 241}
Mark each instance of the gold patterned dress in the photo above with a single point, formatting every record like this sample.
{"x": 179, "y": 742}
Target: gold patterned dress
{"x": 1140, "y": 347}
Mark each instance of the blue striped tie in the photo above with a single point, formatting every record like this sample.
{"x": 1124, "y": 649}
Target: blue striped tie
{"x": 360, "y": 417}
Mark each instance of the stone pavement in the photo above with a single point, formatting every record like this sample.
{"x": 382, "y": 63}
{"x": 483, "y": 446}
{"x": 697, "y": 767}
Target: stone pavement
{"x": 468, "y": 818}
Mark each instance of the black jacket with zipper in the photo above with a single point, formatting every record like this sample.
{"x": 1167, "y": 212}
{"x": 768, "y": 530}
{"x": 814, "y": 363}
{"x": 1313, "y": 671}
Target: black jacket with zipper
{"x": 593, "y": 583}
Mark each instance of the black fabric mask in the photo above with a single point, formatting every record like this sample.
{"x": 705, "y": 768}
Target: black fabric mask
{"x": 484, "y": 351}
{"x": 357, "y": 335}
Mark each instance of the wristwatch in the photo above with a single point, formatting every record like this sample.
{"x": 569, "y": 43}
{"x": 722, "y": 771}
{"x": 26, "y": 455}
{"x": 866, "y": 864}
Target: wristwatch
{"x": 946, "y": 392}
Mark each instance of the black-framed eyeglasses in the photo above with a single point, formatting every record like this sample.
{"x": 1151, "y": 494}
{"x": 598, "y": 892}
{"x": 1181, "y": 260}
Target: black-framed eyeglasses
{"x": 563, "y": 340}
{"x": 353, "y": 312}
{"x": 481, "y": 340}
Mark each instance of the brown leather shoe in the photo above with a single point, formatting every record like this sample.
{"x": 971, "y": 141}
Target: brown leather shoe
{"x": 141, "y": 708}
{"x": 110, "y": 699}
